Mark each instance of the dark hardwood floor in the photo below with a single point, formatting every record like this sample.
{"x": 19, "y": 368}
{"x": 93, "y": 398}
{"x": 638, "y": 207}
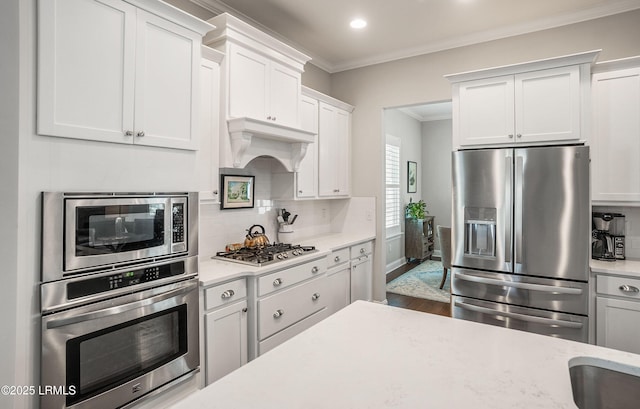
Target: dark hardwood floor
{"x": 413, "y": 303}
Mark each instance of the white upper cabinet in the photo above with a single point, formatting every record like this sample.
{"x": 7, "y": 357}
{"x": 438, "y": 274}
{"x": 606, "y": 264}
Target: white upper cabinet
{"x": 534, "y": 103}
{"x": 334, "y": 147}
{"x": 119, "y": 74}
{"x": 261, "y": 79}
{"x": 615, "y": 168}
{"x": 306, "y": 183}
{"x": 261, "y": 88}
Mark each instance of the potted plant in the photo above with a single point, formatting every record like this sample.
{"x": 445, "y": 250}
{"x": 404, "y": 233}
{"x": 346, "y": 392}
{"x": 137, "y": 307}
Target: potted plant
{"x": 416, "y": 210}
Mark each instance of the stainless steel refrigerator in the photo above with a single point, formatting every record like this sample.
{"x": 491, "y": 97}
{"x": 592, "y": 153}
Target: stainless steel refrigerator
{"x": 520, "y": 237}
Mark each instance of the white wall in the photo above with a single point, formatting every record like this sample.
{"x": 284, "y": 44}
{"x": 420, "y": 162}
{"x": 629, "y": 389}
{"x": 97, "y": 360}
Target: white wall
{"x": 436, "y": 170}
{"x": 397, "y": 124}
{"x": 9, "y": 177}
{"x": 420, "y": 79}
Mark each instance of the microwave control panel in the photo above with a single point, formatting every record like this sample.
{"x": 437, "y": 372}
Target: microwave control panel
{"x": 97, "y": 285}
{"x": 178, "y": 219}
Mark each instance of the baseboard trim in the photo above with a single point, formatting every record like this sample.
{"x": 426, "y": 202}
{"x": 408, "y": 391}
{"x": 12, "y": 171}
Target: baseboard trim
{"x": 395, "y": 264}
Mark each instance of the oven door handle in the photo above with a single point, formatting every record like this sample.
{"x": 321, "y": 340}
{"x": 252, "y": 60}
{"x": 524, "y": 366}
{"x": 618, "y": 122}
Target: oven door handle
{"x": 120, "y": 308}
{"x": 521, "y": 317}
{"x": 523, "y": 286}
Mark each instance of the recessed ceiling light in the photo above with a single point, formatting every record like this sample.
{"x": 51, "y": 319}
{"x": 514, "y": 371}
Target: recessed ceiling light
{"x": 358, "y": 23}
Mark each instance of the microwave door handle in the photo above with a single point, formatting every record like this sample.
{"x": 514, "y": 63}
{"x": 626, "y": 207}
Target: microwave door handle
{"x": 118, "y": 309}
{"x": 519, "y": 285}
{"x": 521, "y": 317}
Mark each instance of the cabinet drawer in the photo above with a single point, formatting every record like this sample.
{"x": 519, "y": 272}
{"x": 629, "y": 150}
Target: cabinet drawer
{"x": 225, "y": 293}
{"x": 361, "y": 249}
{"x": 618, "y": 286}
{"x": 277, "y": 339}
{"x": 280, "y": 310}
{"x": 290, "y": 276}
{"x": 338, "y": 257}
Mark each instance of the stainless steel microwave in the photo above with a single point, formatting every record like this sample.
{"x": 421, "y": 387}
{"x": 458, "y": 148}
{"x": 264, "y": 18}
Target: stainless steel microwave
{"x": 89, "y": 232}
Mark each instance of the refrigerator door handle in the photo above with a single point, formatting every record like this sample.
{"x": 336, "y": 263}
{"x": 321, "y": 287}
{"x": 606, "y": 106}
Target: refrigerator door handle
{"x": 521, "y": 317}
{"x": 522, "y": 286}
{"x": 508, "y": 208}
{"x": 518, "y": 190}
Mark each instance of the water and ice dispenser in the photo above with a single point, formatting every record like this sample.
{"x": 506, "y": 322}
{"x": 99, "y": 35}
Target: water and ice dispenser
{"x": 480, "y": 231}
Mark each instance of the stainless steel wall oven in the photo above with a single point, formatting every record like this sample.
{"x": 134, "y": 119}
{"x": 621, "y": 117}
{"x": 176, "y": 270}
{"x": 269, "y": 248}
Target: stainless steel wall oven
{"x": 124, "y": 324}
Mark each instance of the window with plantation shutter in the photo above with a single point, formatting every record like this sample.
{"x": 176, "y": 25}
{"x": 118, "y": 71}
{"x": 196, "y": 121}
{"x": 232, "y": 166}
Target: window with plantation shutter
{"x": 392, "y": 187}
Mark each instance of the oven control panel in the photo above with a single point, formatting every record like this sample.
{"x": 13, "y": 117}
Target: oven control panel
{"x": 97, "y": 285}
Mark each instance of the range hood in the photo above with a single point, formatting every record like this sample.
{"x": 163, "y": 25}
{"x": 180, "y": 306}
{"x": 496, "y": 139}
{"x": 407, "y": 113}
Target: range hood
{"x": 250, "y": 138}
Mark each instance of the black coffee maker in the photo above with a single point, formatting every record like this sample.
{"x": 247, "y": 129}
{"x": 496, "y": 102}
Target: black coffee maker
{"x": 607, "y": 236}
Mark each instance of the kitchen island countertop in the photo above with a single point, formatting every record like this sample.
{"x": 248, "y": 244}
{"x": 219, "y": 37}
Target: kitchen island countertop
{"x": 375, "y": 356}
{"x": 215, "y": 271}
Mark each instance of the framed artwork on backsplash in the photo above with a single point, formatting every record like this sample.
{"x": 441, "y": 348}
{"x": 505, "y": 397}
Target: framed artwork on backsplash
{"x": 237, "y": 191}
{"x": 412, "y": 177}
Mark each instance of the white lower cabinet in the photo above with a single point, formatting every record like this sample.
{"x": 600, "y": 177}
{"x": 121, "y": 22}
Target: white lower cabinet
{"x": 287, "y": 302}
{"x": 339, "y": 280}
{"x": 618, "y": 313}
{"x": 225, "y": 341}
{"x": 361, "y": 271}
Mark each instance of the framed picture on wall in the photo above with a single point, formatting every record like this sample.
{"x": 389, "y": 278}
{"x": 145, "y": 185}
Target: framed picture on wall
{"x": 412, "y": 177}
{"x": 237, "y": 191}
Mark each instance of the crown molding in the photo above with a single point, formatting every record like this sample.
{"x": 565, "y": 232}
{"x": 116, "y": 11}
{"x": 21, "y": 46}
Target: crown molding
{"x": 218, "y": 7}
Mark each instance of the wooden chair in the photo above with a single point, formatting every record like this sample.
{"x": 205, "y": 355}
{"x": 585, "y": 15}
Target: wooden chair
{"x": 444, "y": 237}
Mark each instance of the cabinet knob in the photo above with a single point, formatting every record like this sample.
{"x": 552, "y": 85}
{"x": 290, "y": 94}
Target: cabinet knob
{"x": 510, "y": 135}
{"x": 314, "y": 269}
{"x": 628, "y": 289}
{"x": 269, "y": 117}
{"x": 244, "y": 309}
{"x": 362, "y": 250}
{"x": 128, "y": 133}
{"x": 336, "y": 259}
{"x": 215, "y": 192}
{"x": 140, "y": 134}
{"x": 278, "y": 314}
{"x": 274, "y": 118}
{"x": 277, "y": 282}
{"x": 519, "y": 135}
{"x": 336, "y": 190}
{"x": 227, "y": 294}
{"x": 315, "y": 296}
{"x": 299, "y": 191}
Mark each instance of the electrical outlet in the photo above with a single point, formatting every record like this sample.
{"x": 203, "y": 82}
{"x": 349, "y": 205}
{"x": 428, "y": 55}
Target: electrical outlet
{"x": 324, "y": 214}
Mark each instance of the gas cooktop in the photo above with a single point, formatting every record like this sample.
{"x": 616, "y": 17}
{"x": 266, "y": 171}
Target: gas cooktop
{"x": 265, "y": 255}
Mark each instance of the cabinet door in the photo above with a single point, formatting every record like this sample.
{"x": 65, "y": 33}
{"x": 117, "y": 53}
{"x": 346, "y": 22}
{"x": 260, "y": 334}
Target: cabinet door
{"x": 166, "y": 93}
{"x": 284, "y": 95}
{"x": 338, "y": 289}
{"x": 86, "y": 69}
{"x": 485, "y": 111}
{"x": 616, "y": 138}
{"x": 616, "y": 324}
{"x": 333, "y": 155}
{"x": 361, "y": 272}
{"x": 547, "y": 105}
{"x": 209, "y": 130}
{"x": 307, "y": 175}
{"x": 226, "y": 340}
{"x": 247, "y": 84}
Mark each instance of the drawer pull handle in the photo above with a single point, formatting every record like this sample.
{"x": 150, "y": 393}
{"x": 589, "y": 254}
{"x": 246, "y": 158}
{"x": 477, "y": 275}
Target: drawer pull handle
{"x": 629, "y": 289}
{"x": 277, "y": 282}
{"x": 336, "y": 259}
{"x": 278, "y": 314}
{"x": 227, "y": 294}
{"x": 315, "y": 269}
{"x": 315, "y": 296}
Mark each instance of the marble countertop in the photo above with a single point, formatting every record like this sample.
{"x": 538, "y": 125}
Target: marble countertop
{"x": 629, "y": 268}
{"x": 371, "y": 355}
{"x": 216, "y": 271}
